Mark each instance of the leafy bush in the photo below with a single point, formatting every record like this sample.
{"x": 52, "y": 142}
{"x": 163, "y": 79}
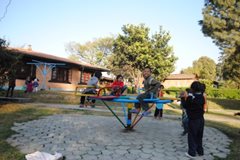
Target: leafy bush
{"x": 211, "y": 92}
{"x": 208, "y": 83}
{"x": 174, "y": 91}
{"x": 131, "y": 90}
{"x": 223, "y": 93}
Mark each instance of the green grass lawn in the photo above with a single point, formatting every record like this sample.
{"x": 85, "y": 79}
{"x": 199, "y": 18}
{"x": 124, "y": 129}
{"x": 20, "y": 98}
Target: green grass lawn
{"x": 219, "y": 115}
{"x": 225, "y": 103}
{"x": 48, "y": 96}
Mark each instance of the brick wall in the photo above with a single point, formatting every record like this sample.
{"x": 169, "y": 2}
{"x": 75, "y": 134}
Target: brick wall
{"x": 74, "y": 81}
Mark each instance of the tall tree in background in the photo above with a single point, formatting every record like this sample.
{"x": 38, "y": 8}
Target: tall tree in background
{"x": 8, "y": 62}
{"x": 188, "y": 70}
{"x": 204, "y": 67}
{"x": 221, "y": 22}
{"x": 95, "y": 52}
{"x": 135, "y": 50}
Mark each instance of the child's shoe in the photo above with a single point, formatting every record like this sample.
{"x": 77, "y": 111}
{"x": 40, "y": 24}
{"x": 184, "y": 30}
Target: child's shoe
{"x": 146, "y": 113}
{"x": 81, "y": 106}
{"x": 135, "y": 111}
{"x": 190, "y": 156}
{"x": 160, "y": 118}
{"x": 184, "y": 133}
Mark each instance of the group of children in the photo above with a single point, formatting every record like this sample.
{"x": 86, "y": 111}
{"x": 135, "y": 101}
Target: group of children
{"x": 117, "y": 88}
{"x": 193, "y": 102}
{"x": 152, "y": 88}
{"x": 31, "y": 85}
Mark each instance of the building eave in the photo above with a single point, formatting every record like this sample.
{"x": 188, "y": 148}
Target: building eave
{"x": 41, "y": 55}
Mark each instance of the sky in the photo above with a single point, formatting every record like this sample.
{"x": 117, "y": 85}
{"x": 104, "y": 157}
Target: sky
{"x": 48, "y": 25}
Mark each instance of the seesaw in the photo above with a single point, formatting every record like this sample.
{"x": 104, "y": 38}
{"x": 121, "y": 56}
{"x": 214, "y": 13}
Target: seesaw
{"x": 128, "y": 102}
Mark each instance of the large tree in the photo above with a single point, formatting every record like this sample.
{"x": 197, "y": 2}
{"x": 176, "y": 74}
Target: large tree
{"x": 9, "y": 62}
{"x": 204, "y": 67}
{"x": 135, "y": 49}
{"x": 221, "y": 22}
{"x": 94, "y": 52}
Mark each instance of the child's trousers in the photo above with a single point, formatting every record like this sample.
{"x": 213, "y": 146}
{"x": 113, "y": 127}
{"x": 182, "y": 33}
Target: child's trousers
{"x": 140, "y": 98}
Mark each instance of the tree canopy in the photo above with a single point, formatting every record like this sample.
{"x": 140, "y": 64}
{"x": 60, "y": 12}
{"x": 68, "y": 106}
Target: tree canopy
{"x": 204, "y": 67}
{"x": 135, "y": 49}
{"x": 221, "y": 22}
{"x": 8, "y": 62}
{"x": 94, "y": 52}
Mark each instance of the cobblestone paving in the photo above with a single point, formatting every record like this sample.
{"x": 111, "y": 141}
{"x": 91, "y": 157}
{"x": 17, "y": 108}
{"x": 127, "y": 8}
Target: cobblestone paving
{"x": 103, "y": 138}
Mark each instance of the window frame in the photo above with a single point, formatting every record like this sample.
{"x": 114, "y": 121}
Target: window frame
{"x": 61, "y": 75}
{"x": 25, "y": 70}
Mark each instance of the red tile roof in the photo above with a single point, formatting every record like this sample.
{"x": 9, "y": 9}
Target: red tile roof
{"x": 56, "y": 58}
{"x": 181, "y": 77}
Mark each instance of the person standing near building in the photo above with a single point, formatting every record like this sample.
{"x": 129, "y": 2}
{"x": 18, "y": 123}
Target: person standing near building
{"x": 11, "y": 83}
{"x": 35, "y": 85}
{"x": 27, "y": 81}
{"x": 29, "y": 86}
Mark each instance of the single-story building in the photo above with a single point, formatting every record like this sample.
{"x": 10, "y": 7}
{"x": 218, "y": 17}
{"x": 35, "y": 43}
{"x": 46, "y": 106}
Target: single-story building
{"x": 53, "y": 72}
{"x": 179, "y": 80}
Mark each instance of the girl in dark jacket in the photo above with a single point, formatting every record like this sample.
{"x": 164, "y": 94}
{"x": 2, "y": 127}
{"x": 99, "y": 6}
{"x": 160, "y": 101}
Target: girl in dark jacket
{"x": 195, "y": 110}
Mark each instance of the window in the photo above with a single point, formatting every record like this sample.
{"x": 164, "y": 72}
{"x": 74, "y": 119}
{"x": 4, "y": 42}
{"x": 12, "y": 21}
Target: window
{"x": 84, "y": 77}
{"x": 61, "y": 75}
{"x": 26, "y": 70}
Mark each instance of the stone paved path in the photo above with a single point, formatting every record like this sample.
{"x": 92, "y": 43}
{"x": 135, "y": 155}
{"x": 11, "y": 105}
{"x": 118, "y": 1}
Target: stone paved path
{"x": 103, "y": 138}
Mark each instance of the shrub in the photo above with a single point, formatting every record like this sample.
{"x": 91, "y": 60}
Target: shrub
{"x": 223, "y": 93}
{"x": 211, "y": 92}
{"x": 131, "y": 90}
{"x": 174, "y": 91}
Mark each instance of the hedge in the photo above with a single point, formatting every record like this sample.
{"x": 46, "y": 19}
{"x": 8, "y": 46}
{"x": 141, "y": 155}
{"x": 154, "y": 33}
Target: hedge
{"x": 211, "y": 92}
{"x": 223, "y": 93}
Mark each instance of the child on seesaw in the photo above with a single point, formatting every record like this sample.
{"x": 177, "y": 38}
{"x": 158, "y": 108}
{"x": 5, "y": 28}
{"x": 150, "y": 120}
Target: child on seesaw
{"x": 151, "y": 87}
{"x": 118, "y": 86}
{"x": 92, "y": 82}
